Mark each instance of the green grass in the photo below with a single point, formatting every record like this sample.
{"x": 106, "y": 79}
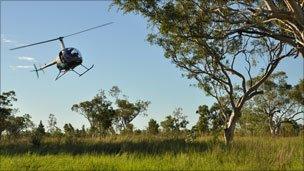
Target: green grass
{"x": 155, "y": 153}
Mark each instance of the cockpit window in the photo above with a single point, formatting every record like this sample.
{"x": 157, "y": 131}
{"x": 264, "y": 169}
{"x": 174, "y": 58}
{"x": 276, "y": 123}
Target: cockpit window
{"x": 72, "y": 52}
{"x": 75, "y": 52}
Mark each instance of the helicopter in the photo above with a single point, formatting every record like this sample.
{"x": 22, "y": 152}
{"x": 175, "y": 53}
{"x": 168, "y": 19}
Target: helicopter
{"x": 67, "y": 59}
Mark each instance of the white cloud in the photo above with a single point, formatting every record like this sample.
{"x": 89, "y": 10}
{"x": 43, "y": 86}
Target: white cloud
{"x": 7, "y": 40}
{"x": 26, "y": 58}
{"x": 20, "y": 67}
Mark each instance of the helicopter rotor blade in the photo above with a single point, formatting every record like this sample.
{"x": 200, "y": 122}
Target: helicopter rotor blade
{"x": 33, "y": 44}
{"x": 36, "y": 70}
{"x": 62, "y": 36}
{"x": 88, "y": 29}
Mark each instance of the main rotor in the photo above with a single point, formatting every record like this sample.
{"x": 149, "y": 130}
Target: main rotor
{"x": 62, "y": 37}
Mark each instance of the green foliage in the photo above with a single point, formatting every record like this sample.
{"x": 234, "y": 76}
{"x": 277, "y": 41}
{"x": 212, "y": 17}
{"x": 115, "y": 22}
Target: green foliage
{"x": 279, "y": 102}
{"x": 207, "y": 39}
{"x": 102, "y": 115}
{"x": 40, "y": 129}
{"x": 36, "y": 138}
{"x": 153, "y": 127}
{"x": 127, "y": 111}
{"x": 128, "y": 130}
{"x": 28, "y": 123}
{"x": 6, "y": 102}
{"x": 69, "y": 134}
{"x": 202, "y": 125}
{"x": 15, "y": 125}
{"x": 175, "y": 122}
{"x": 52, "y": 122}
{"x": 98, "y": 112}
{"x": 290, "y": 128}
{"x": 168, "y": 124}
{"x": 211, "y": 120}
{"x": 297, "y": 93}
{"x": 253, "y": 124}
{"x": 68, "y": 129}
{"x": 37, "y": 135}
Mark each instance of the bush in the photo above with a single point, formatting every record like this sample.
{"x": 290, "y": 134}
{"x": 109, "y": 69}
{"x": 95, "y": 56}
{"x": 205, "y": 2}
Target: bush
{"x": 36, "y": 138}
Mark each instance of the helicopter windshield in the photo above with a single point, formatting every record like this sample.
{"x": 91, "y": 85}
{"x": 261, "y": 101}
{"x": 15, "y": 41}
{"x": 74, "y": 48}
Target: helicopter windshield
{"x": 75, "y": 53}
{"x": 70, "y": 53}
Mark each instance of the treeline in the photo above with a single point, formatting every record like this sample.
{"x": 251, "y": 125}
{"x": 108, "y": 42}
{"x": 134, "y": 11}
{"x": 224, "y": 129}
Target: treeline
{"x": 276, "y": 112}
{"x": 108, "y": 113}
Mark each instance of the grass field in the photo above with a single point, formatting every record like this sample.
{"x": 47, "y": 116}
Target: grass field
{"x": 155, "y": 153}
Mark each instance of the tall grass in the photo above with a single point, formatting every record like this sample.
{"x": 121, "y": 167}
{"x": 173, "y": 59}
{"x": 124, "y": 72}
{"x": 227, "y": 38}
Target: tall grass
{"x": 155, "y": 153}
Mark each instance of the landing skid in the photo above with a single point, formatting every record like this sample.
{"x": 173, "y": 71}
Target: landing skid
{"x": 61, "y": 73}
{"x": 87, "y": 69}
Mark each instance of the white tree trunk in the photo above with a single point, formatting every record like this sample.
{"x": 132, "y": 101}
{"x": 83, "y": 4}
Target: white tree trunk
{"x": 229, "y": 131}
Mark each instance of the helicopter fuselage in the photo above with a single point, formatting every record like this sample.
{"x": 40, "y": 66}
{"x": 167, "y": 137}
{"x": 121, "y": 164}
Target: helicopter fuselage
{"x": 68, "y": 58}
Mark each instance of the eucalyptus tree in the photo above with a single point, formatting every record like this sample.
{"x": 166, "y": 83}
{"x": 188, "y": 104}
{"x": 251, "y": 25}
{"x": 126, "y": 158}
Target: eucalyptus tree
{"x": 202, "y": 125}
{"x": 15, "y": 125}
{"x": 6, "y": 110}
{"x": 153, "y": 127}
{"x": 98, "y": 111}
{"x": 175, "y": 122}
{"x": 52, "y": 124}
{"x": 280, "y": 102}
{"x": 282, "y": 20}
{"x": 220, "y": 44}
{"x": 127, "y": 111}
{"x": 297, "y": 93}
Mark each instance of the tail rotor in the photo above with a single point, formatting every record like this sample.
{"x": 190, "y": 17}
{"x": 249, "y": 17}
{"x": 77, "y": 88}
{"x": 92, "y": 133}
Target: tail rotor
{"x": 36, "y": 70}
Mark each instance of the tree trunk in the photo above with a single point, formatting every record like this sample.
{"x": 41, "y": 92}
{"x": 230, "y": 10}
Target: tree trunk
{"x": 278, "y": 128}
{"x": 271, "y": 126}
{"x": 229, "y": 130}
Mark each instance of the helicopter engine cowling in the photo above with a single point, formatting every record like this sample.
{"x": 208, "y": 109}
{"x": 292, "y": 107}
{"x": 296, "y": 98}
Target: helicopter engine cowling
{"x": 69, "y": 58}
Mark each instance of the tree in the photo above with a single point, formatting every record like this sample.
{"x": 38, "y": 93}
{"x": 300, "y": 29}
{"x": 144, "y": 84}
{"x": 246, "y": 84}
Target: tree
{"x": 98, "y": 112}
{"x": 52, "y": 122}
{"x": 281, "y": 20}
{"x": 174, "y": 123}
{"x": 211, "y": 119}
{"x": 37, "y": 135}
{"x": 6, "y": 100}
{"x": 168, "y": 124}
{"x": 115, "y": 92}
{"x": 29, "y": 124}
{"x": 68, "y": 129}
{"x": 153, "y": 127}
{"x": 253, "y": 123}
{"x": 127, "y": 111}
{"x": 40, "y": 129}
{"x": 202, "y": 125}
{"x": 15, "y": 125}
{"x": 204, "y": 38}
{"x": 278, "y": 102}
{"x": 297, "y": 93}
{"x": 128, "y": 130}
{"x": 290, "y": 128}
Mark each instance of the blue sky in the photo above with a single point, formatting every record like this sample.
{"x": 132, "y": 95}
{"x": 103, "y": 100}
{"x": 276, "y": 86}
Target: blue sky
{"x": 119, "y": 51}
